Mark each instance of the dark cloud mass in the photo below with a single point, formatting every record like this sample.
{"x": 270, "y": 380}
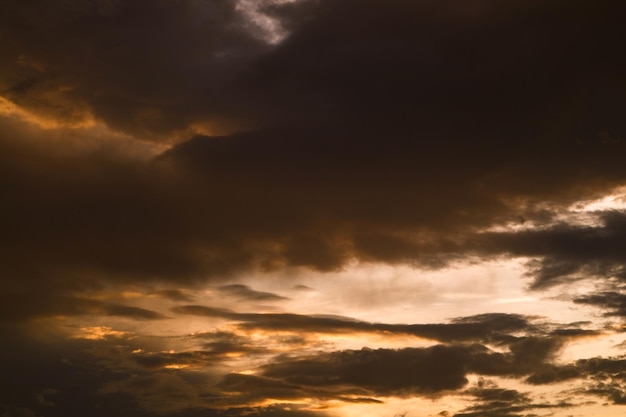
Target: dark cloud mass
{"x": 174, "y": 173}
{"x": 416, "y": 125}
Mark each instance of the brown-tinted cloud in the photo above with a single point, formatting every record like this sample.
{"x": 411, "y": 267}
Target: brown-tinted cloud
{"x": 602, "y": 377}
{"x": 152, "y": 67}
{"x": 613, "y": 302}
{"x": 411, "y": 371}
{"x": 392, "y": 132}
{"x": 528, "y": 348}
{"x": 149, "y": 68}
{"x": 500, "y": 402}
{"x": 386, "y": 372}
{"x": 407, "y": 137}
{"x": 245, "y": 292}
{"x": 21, "y": 305}
{"x": 492, "y": 328}
{"x": 135, "y": 372}
{"x": 566, "y": 252}
{"x": 489, "y": 71}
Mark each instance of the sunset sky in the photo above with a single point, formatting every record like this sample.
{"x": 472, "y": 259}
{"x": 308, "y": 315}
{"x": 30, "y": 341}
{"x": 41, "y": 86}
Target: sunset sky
{"x": 312, "y": 208}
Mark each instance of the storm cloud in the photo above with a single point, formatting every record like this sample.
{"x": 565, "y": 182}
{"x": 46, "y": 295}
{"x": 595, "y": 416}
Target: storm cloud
{"x": 174, "y": 173}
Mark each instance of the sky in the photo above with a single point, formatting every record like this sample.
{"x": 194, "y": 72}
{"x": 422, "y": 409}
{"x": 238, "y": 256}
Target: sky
{"x": 312, "y": 208}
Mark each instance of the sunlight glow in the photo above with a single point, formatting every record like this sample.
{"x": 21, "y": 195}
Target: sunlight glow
{"x": 616, "y": 200}
{"x": 100, "y": 333}
{"x": 8, "y": 108}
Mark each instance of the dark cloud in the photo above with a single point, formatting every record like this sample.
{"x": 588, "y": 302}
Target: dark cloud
{"x": 405, "y": 138}
{"x": 530, "y": 343}
{"x": 552, "y": 374}
{"x": 134, "y": 374}
{"x": 225, "y": 344}
{"x": 393, "y": 132}
{"x": 449, "y": 69}
{"x": 40, "y": 369}
{"x": 385, "y": 372}
{"x": 162, "y": 360}
{"x": 145, "y": 67}
{"x": 602, "y": 377}
{"x": 613, "y": 302}
{"x": 18, "y": 306}
{"x": 218, "y": 347}
{"x": 174, "y": 295}
{"x": 247, "y": 293}
{"x": 274, "y": 410}
{"x": 258, "y": 388}
{"x": 566, "y": 252}
{"x": 500, "y": 402}
{"x": 327, "y": 195}
{"x": 250, "y": 388}
{"x": 614, "y": 392}
{"x": 494, "y": 327}
{"x": 412, "y": 371}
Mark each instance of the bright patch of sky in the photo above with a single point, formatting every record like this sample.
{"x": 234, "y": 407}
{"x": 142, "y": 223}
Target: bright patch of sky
{"x": 266, "y": 27}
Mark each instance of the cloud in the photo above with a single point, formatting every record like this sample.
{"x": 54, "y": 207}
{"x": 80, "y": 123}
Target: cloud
{"x": 602, "y": 377}
{"x": 397, "y": 132}
{"x": 147, "y": 67}
{"x": 398, "y": 148}
{"x": 198, "y": 374}
{"x": 492, "y": 327}
{"x": 39, "y": 366}
{"x": 19, "y": 306}
{"x": 450, "y": 69}
{"x": 411, "y": 371}
{"x": 613, "y": 302}
{"x": 495, "y": 328}
{"x": 153, "y": 67}
{"x": 500, "y": 402}
{"x": 247, "y": 293}
{"x": 174, "y": 295}
{"x": 385, "y": 372}
{"x": 566, "y": 252}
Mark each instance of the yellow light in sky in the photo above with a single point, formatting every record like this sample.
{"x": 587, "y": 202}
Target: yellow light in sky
{"x": 99, "y": 333}
{"x": 8, "y": 108}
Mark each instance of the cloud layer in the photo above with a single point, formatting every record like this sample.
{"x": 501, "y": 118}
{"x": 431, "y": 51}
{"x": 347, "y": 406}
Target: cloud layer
{"x": 171, "y": 170}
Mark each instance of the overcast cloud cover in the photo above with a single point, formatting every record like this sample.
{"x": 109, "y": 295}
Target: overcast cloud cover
{"x": 271, "y": 208}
